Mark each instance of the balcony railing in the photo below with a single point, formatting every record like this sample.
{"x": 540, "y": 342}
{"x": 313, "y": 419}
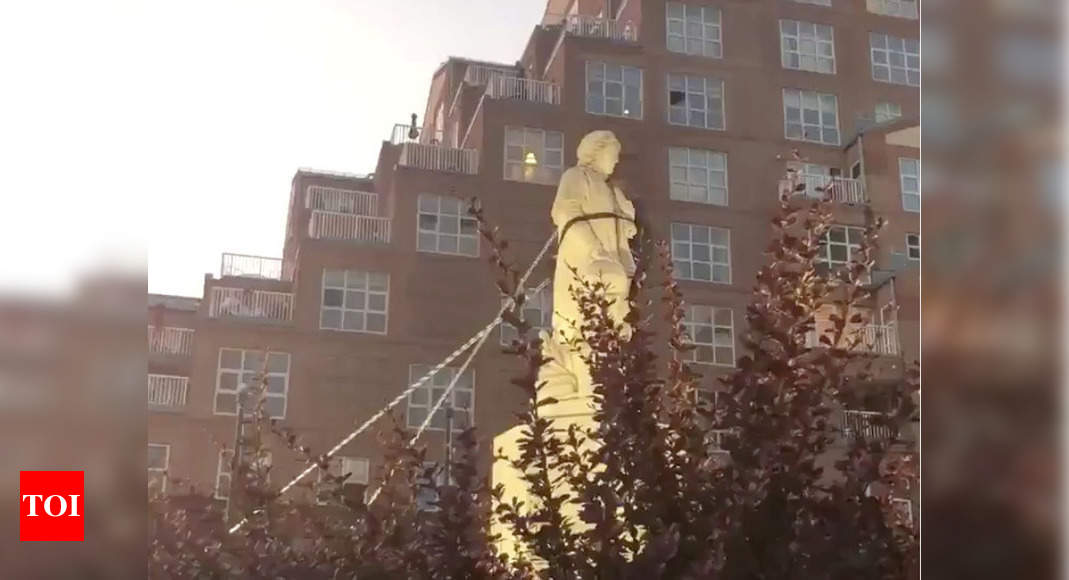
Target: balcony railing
{"x": 835, "y": 189}
{"x": 595, "y": 27}
{"x": 478, "y": 74}
{"x": 341, "y": 200}
{"x": 246, "y": 266}
{"x": 329, "y": 225}
{"x": 167, "y": 391}
{"x": 437, "y": 158}
{"x": 877, "y": 338}
{"x": 865, "y": 424}
{"x": 249, "y": 303}
{"x": 898, "y": 8}
{"x": 170, "y": 340}
{"x": 530, "y": 90}
{"x": 402, "y": 133}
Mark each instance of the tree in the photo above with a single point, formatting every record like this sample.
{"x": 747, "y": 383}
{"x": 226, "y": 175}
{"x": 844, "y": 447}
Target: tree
{"x": 667, "y": 485}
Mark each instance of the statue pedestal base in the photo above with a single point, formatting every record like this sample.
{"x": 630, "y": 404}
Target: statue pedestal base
{"x": 577, "y": 410}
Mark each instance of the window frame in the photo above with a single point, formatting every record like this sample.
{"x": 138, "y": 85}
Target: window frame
{"x": 545, "y": 315}
{"x": 691, "y": 324}
{"x": 604, "y": 82}
{"x": 555, "y": 171}
{"x": 429, "y": 387}
{"x": 802, "y": 124}
{"x": 691, "y": 244}
{"x": 162, "y": 471}
{"x": 220, "y": 370}
{"x": 850, "y": 246}
{"x": 902, "y": 176}
{"x": 687, "y": 109}
{"x": 799, "y": 40}
{"x": 345, "y": 289}
{"x": 689, "y": 166}
{"x": 338, "y": 467}
{"x": 888, "y": 115}
{"x": 912, "y": 248}
{"x": 685, "y": 38}
{"x": 887, "y": 51}
{"x": 461, "y": 216}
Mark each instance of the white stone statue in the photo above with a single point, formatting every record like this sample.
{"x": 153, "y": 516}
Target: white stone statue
{"x": 594, "y": 224}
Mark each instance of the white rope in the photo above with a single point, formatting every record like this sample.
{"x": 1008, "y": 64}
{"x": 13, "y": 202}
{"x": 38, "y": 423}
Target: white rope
{"x": 479, "y": 338}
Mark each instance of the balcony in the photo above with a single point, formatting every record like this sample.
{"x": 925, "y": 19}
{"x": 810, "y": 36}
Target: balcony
{"x": 896, "y": 8}
{"x": 879, "y": 339}
{"x": 170, "y": 340}
{"x": 529, "y": 90}
{"x": 866, "y": 425}
{"x": 438, "y": 158}
{"x": 595, "y": 27}
{"x": 251, "y": 304}
{"x": 479, "y": 74}
{"x": 167, "y": 392}
{"x": 330, "y": 225}
{"x": 834, "y": 189}
{"x": 346, "y": 201}
{"x": 246, "y": 266}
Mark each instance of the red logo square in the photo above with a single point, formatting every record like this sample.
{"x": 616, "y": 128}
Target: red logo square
{"x": 51, "y": 506}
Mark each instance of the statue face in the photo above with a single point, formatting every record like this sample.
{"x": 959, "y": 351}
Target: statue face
{"x": 607, "y": 158}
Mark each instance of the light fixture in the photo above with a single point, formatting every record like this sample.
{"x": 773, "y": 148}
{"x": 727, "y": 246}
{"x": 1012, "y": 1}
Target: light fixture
{"x": 530, "y": 158}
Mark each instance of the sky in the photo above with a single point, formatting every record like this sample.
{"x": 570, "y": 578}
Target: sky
{"x": 155, "y": 134}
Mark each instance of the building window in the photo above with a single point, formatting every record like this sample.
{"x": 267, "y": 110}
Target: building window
{"x": 840, "y": 246}
{"x": 701, "y": 253}
{"x": 807, "y": 46}
{"x": 887, "y": 112}
{"x": 614, "y": 90}
{"x": 695, "y": 101}
{"x": 159, "y": 460}
{"x": 423, "y": 399}
{"x": 444, "y": 227}
{"x": 359, "y": 470}
{"x": 897, "y": 8}
{"x": 698, "y": 175}
{"x": 224, "y": 475}
{"x": 426, "y": 497}
{"x": 533, "y": 155}
{"x": 537, "y": 311}
{"x": 694, "y": 29}
{"x": 354, "y": 301}
{"x": 811, "y": 116}
{"x": 913, "y": 246}
{"x": 909, "y": 175}
{"x": 817, "y": 2}
{"x": 815, "y": 177}
{"x": 895, "y": 60}
{"x": 238, "y": 368}
{"x": 711, "y": 332}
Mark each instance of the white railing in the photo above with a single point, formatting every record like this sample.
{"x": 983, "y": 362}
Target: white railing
{"x": 524, "y": 90}
{"x": 170, "y": 340}
{"x": 478, "y": 74}
{"x": 595, "y": 27}
{"x": 836, "y": 189}
{"x": 880, "y": 339}
{"x": 329, "y": 225}
{"x": 863, "y": 424}
{"x": 246, "y": 266}
{"x": 249, "y": 303}
{"x": 898, "y": 8}
{"x": 402, "y": 133}
{"x": 167, "y": 391}
{"x": 436, "y": 158}
{"x": 341, "y": 200}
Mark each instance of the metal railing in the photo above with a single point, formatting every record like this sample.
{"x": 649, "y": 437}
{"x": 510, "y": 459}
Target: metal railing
{"x": 170, "y": 340}
{"x": 247, "y": 266}
{"x": 437, "y": 158}
{"x": 898, "y": 8}
{"x": 168, "y": 391}
{"x": 865, "y": 424}
{"x": 341, "y": 200}
{"x": 530, "y": 90}
{"x": 478, "y": 74}
{"x": 836, "y": 189}
{"x": 880, "y": 339}
{"x": 249, "y": 303}
{"x": 402, "y": 133}
{"x": 595, "y": 27}
{"x": 329, "y": 225}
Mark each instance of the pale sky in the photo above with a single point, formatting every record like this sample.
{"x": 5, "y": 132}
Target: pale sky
{"x": 172, "y": 128}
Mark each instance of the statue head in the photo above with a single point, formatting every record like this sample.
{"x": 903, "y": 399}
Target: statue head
{"x": 599, "y": 150}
